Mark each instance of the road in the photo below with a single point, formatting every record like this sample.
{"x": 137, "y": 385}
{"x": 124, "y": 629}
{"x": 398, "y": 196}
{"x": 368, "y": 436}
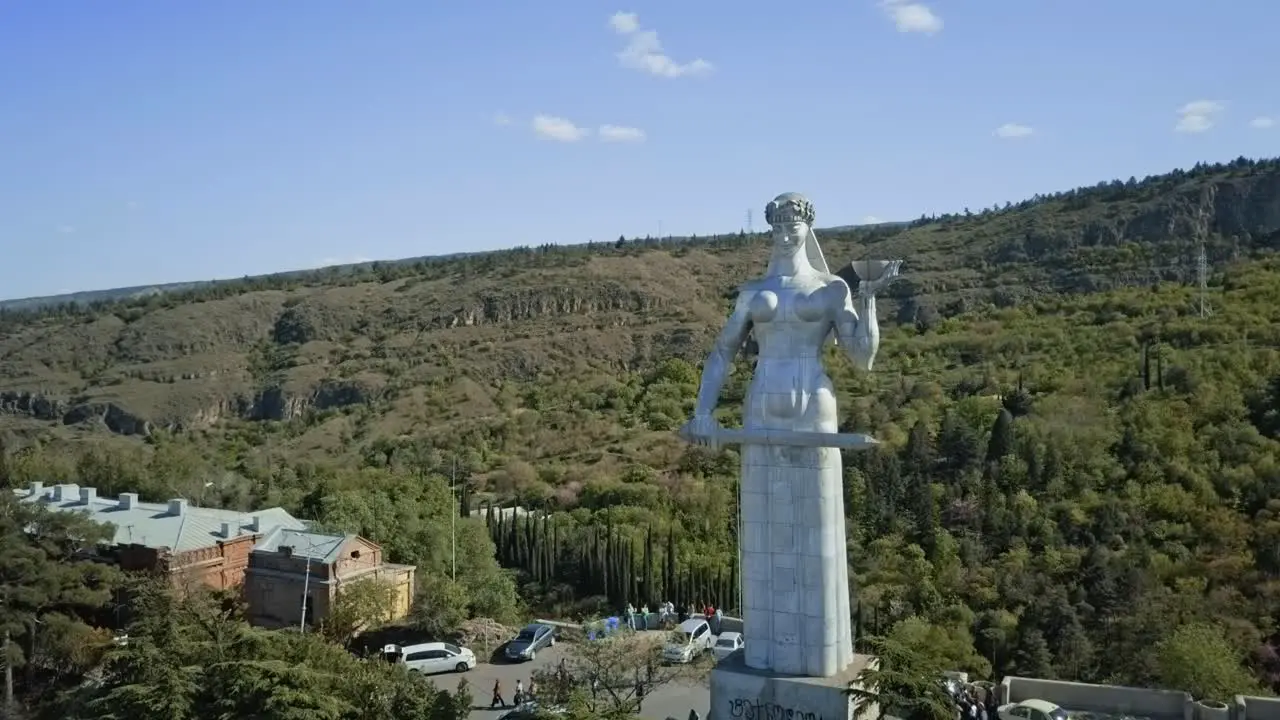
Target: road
{"x": 668, "y": 701}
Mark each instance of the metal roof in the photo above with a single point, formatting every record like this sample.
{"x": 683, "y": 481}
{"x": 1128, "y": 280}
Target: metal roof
{"x": 321, "y": 547}
{"x": 175, "y": 525}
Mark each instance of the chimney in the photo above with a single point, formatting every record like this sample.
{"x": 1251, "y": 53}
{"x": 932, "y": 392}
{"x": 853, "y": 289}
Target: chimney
{"x": 177, "y": 506}
{"x": 230, "y": 530}
{"x": 65, "y": 493}
{"x": 37, "y": 489}
{"x": 88, "y": 495}
{"x": 255, "y": 523}
{"x": 128, "y": 501}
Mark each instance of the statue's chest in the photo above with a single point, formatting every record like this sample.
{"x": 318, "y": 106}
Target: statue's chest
{"x": 793, "y": 300}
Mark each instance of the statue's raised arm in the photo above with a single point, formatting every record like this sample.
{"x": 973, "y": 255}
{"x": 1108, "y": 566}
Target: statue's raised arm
{"x": 857, "y": 327}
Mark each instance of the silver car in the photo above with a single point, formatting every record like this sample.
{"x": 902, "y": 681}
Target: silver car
{"x": 529, "y": 641}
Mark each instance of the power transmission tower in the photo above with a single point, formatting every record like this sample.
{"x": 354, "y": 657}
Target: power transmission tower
{"x": 1207, "y": 202}
{"x": 1202, "y": 279}
{"x": 751, "y": 230}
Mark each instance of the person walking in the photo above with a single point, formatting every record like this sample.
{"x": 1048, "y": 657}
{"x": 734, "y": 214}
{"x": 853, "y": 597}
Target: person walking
{"x": 519, "y": 697}
{"x": 497, "y": 701}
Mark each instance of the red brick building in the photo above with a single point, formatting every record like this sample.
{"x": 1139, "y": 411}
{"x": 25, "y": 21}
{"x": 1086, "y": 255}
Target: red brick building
{"x": 207, "y": 546}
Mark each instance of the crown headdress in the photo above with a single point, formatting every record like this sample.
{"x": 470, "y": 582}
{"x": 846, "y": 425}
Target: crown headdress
{"x": 787, "y": 208}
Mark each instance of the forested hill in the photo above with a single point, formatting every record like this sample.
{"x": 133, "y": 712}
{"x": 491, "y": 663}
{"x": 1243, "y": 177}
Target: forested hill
{"x": 279, "y": 346}
{"x": 1079, "y": 471}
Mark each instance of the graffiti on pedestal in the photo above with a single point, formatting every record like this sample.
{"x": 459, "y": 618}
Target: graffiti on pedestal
{"x": 757, "y": 710}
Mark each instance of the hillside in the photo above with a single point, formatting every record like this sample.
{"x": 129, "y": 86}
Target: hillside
{"x": 1079, "y": 472}
{"x": 280, "y": 347}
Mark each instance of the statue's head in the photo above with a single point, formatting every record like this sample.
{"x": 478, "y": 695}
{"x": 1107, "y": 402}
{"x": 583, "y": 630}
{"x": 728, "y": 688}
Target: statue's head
{"x": 790, "y": 215}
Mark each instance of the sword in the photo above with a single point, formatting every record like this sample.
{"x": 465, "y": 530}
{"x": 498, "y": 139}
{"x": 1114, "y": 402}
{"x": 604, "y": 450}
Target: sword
{"x": 786, "y": 438}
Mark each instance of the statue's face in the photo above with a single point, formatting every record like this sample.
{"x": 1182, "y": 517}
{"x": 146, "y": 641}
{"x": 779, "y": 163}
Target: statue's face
{"x": 790, "y": 235}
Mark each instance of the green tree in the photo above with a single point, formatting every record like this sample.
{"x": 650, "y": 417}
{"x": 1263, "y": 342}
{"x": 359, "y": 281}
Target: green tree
{"x": 44, "y": 574}
{"x": 1198, "y": 658}
{"x": 190, "y": 660}
{"x": 440, "y": 606}
{"x": 359, "y": 606}
{"x": 904, "y": 683}
{"x": 1001, "y": 443}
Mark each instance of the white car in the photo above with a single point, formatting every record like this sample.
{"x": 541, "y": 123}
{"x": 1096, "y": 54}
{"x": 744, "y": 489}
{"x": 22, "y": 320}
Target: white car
{"x": 691, "y": 639}
{"x": 434, "y": 657}
{"x": 726, "y": 644}
{"x": 1032, "y": 710}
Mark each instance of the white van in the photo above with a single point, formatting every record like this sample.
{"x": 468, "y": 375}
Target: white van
{"x": 688, "y": 641}
{"x": 432, "y": 658}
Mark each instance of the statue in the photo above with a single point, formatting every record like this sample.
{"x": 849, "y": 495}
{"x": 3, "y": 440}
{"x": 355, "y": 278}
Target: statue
{"x": 795, "y": 576}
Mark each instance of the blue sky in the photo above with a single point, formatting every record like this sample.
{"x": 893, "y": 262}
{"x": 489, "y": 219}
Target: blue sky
{"x": 147, "y": 141}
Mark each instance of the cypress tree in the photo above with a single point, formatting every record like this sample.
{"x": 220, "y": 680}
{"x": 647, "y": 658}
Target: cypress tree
{"x": 1001, "y": 442}
{"x": 629, "y": 576}
{"x": 601, "y": 560}
{"x": 552, "y": 534}
{"x": 1159, "y": 367}
{"x": 499, "y": 534}
{"x": 464, "y": 499}
{"x": 734, "y": 580}
{"x": 535, "y": 550}
{"x": 670, "y": 590}
{"x": 649, "y": 594}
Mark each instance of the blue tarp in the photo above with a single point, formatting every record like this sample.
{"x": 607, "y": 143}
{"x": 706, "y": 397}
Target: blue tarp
{"x": 602, "y": 628}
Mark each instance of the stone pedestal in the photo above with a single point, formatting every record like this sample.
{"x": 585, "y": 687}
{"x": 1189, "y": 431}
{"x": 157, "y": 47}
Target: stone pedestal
{"x": 742, "y": 693}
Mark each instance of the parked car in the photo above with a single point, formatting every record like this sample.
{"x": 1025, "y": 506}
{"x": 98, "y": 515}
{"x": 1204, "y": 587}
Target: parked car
{"x": 529, "y": 641}
{"x": 434, "y": 657}
{"x": 1032, "y": 710}
{"x": 726, "y": 644}
{"x": 691, "y": 639}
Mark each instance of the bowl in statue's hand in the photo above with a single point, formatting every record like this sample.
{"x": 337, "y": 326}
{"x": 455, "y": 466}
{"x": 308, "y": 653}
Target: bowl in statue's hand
{"x": 870, "y": 270}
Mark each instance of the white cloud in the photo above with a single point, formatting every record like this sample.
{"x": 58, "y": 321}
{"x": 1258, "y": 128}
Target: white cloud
{"x": 1262, "y": 123}
{"x": 501, "y": 119}
{"x": 65, "y": 229}
{"x": 1014, "y": 130}
{"x": 624, "y": 23}
{"x": 871, "y": 220}
{"x": 644, "y": 51}
{"x": 1197, "y": 116}
{"x": 620, "y": 133}
{"x": 558, "y": 128}
{"x": 912, "y": 17}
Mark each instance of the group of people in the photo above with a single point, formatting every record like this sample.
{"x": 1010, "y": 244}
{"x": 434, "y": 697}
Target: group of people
{"x": 519, "y": 698}
{"x": 974, "y": 703}
{"x": 669, "y": 615}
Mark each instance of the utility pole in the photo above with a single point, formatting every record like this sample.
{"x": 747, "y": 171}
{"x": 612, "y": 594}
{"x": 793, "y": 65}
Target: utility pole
{"x": 453, "y": 517}
{"x": 306, "y": 587}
